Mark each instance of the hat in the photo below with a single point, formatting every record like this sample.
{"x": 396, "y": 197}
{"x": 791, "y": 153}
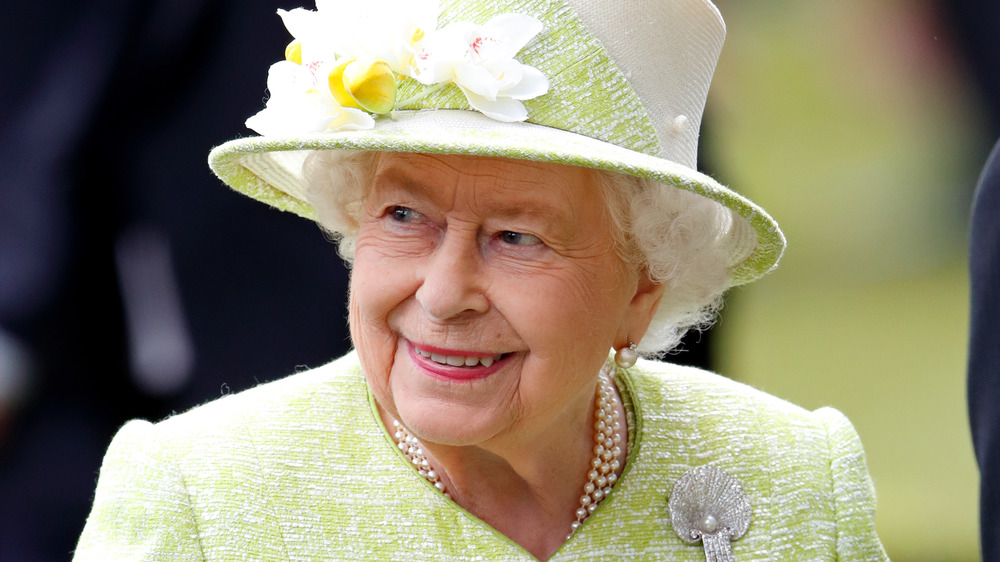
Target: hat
{"x": 610, "y": 85}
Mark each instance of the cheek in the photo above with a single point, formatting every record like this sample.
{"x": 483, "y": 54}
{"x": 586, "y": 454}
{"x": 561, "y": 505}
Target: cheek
{"x": 374, "y": 296}
{"x": 379, "y": 287}
{"x": 381, "y": 276}
{"x": 373, "y": 341}
{"x": 567, "y": 311}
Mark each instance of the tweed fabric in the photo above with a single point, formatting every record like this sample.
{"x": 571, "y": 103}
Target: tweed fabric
{"x": 302, "y": 469}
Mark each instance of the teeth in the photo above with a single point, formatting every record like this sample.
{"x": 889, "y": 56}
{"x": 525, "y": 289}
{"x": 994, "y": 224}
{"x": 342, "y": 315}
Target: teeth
{"x": 459, "y": 360}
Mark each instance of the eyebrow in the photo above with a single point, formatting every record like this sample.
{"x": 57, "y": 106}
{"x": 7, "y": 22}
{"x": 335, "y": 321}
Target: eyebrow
{"x": 553, "y": 215}
{"x": 395, "y": 177}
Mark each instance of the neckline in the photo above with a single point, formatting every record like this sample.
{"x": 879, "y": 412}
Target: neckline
{"x": 625, "y": 386}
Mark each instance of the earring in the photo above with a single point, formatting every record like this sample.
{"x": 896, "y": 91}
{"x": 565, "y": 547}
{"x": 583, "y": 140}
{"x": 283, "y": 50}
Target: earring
{"x": 626, "y": 356}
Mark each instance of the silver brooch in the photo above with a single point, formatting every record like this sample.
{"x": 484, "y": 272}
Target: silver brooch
{"x": 709, "y": 505}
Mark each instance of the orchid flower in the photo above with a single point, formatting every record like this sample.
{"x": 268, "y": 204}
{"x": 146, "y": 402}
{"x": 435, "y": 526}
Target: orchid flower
{"x": 299, "y": 103}
{"x": 479, "y": 59}
{"x": 379, "y": 29}
{"x": 312, "y": 41}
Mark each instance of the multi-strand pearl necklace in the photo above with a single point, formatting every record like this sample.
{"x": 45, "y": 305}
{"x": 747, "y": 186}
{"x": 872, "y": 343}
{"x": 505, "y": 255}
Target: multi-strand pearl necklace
{"x": 607, "y": 450}
{"x": 413, "y": 451}
{"x": 603, "y": 467}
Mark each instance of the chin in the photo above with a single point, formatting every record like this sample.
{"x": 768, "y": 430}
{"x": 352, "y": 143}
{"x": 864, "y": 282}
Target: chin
{"x": 444, "y": 422}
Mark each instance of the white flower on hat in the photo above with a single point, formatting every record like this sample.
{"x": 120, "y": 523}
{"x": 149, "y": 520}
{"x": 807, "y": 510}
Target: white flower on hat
{"x": 378, "y": 29}
{"x": 479, "y": 59}
{"x": 312, "y": 43}
{"x": 300, "y": 103}
{"x": 347, "y": 58}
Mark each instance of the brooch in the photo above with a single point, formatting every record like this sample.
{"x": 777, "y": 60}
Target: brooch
{"x": 709, "y": 505}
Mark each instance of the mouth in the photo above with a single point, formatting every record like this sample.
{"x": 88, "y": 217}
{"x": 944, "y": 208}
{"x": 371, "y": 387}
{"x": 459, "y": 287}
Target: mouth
{"x": 455, "y": 365}
{"x": 460, "y": 360}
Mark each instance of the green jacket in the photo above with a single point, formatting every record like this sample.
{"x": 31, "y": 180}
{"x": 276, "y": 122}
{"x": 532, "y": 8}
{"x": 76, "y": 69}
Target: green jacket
{"x": 302, "y": 469}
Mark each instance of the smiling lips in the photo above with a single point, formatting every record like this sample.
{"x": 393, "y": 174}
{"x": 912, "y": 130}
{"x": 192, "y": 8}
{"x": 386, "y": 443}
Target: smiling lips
{"x": 459, "y": 360}
{"x": 447, "y": 364}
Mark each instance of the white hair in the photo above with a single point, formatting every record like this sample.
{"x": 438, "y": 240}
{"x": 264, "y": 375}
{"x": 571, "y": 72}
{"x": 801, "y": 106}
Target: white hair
{"x": 684, "y": 241}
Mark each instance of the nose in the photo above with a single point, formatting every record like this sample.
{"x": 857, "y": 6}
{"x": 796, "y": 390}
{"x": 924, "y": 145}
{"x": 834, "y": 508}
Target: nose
{"x": 452, "y": 284}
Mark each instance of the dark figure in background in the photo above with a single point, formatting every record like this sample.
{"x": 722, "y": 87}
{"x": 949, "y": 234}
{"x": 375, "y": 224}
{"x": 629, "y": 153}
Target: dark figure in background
{"x": 122, "y": 302}
{"x": 984, "y": 349}
{"x": 976, "y": 33}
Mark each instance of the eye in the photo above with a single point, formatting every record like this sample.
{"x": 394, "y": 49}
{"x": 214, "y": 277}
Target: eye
{"x": 403, "y": 214}
{"x": 519, "y": 238}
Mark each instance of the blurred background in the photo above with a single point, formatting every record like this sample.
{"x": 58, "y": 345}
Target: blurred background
{"x": 134, "y": 284}
{"x": 862, "y": 127}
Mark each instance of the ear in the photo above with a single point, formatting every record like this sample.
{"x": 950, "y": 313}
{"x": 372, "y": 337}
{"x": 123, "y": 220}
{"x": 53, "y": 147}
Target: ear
{"x": 641, "y": 309}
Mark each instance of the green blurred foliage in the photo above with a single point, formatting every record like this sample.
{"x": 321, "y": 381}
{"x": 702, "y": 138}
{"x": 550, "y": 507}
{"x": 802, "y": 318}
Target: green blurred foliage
{"x": 852, "y": 123}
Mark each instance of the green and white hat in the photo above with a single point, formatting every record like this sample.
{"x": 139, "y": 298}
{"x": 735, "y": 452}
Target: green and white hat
{"x": 611, "y": 85}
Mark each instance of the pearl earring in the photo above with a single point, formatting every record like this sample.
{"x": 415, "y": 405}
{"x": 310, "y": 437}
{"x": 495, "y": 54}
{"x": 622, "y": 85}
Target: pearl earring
{"x": 626, "y": 356}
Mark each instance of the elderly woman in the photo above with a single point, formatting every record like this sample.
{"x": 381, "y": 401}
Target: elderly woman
{"x": 514, "y": 187}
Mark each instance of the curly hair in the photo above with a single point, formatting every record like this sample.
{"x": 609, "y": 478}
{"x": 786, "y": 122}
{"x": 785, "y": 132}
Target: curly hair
{"x": 684, "y": 241}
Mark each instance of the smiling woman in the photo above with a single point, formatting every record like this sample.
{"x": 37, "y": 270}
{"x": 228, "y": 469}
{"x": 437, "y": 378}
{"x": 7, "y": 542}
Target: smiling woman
{"x": 449, "y": 281}
{"x": 519, "y": 231}
{"x": 437, "y": 280}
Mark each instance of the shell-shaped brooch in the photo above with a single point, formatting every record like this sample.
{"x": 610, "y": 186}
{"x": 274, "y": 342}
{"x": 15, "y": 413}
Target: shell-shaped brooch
{"x": 709, "y": 505}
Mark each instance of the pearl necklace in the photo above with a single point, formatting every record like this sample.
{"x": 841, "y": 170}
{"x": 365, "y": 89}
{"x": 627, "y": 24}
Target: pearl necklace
{"x": 411, "y": 448}
{"x": 603, "y": 467}
{"x": 607, "y": 449}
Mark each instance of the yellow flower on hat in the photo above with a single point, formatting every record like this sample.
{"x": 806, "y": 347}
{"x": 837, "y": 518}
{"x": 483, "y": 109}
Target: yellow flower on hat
{"x": 293, "y": 52}
{"x": 367, "y": 84}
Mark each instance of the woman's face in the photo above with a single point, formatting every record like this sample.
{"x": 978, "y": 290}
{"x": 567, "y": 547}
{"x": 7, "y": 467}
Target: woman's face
{"x": 486, "y": 293}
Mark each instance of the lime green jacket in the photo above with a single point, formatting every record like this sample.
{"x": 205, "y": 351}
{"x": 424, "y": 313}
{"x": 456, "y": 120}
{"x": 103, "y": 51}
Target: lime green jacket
{"x": 302, "y": 469}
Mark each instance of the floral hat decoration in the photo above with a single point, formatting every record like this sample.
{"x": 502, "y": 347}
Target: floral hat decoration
{"x": 606, "y": 84}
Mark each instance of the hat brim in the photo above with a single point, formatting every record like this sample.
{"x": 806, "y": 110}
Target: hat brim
{"x": 269, "y": 169}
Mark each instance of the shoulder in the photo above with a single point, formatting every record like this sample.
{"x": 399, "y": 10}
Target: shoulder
{"x": 661, "y": 387}
{"x": 270, "y": 419}
{"x": 677, "y": 383}
{"x": 328, "y": 389}
{"x": 183, "y": 485}
{"x": 727, "y": 419}
{"x": 802, "y": 470}
{"x": 262, "y": 423}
